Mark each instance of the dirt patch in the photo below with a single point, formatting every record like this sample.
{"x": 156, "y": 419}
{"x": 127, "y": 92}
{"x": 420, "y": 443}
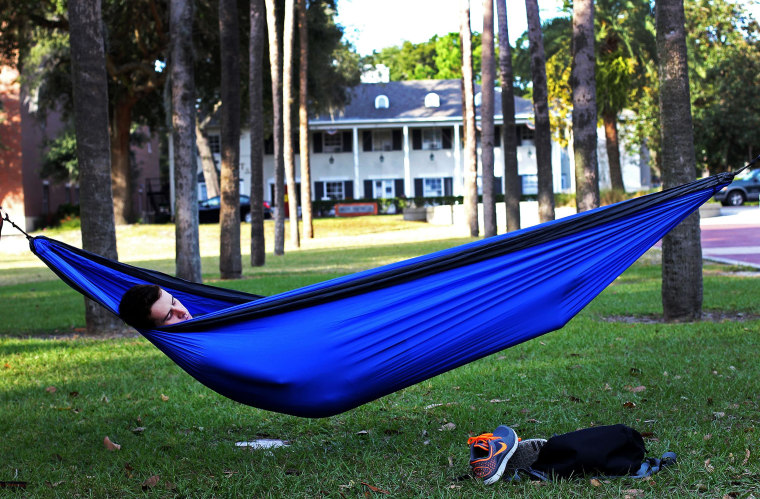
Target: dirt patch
{"x": 706, "y": 317}
{"x": 79, "y": 335}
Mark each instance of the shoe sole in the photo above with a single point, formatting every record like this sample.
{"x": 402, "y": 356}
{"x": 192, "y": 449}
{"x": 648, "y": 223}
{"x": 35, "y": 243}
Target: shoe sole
{"x": 503, "y": 466}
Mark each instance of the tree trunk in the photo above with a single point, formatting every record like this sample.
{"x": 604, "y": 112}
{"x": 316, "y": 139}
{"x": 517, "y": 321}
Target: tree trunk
{"x": 275, "y": 63}
{"x": 541, "y": 112}
{"x": 303, "y": 119}
{"x": 583, "y": 84}
{"x": 121, "y": 171}
{"x": 230, "y": 260}
{"x": 512, "y": 184}
{"x": 470, "y": 154}
{"x": 613, "y": 150}
{"x": 287, "y": 120}
{"x": 88, "y": 75}
{"x": 208, "y": 164}
{"x": 486, "y": 121}
{"x": 183, "y": 124}
{"x": 681, "y": 247}
{"x": 255, "y": 89}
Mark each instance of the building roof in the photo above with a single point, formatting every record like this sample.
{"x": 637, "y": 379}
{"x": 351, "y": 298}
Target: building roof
{"x": 407, "y": 104}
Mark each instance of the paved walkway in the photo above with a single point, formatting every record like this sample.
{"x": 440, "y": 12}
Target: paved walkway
{"x": 733, "y": 237}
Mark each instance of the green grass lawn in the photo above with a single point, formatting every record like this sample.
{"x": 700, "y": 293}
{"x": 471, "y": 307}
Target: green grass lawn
{"x": 59, "y": 398}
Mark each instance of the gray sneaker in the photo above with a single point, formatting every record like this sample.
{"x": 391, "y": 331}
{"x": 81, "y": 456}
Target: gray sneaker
{"x": 525, "y": 454}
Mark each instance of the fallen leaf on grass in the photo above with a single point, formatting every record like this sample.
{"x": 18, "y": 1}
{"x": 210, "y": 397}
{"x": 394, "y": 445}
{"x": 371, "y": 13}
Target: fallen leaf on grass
{"x": 138, "y": 430}
{"x": 110, "y": 445}
{"x": 51, "y": 389}
{"x": 707, "y": 437}
{"x": 451, "y": 462}
{"x": 718, "y": 415}
{"x": 629, "y": 405}
{"x": 164, "y": 398}
{"x": 170, "y": 486}
{"x": 497, "y": 401}
{"x": 709, "y": 467}
{"x": 362, "y": 432}
{"x": 746, "y": 457}
{"x": 448, "y": 427}
{"x": 53, "y": 485}
{"x": 7, "y": 366}
{"x": 631, "y": 493}
{"x": 595, "y": 482}
{"x": 635, "y": 389}
{"x": 375, "y": 489}
{"x": 73, "y": 394}
{"x": 151, "y": 482}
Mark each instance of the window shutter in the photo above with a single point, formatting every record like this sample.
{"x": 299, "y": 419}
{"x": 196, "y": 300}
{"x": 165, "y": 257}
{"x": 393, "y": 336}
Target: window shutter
{"x": 448, "y": 186}
{"x": 398, "y": 140}
{"x": 269, "y": 145}
{"x": 446, "y": 138}
{"x": 296, "y": 144}
{"x": 398, "y": 186}
{"x": 317, "y": 140}
{"x": 366, "y": 140}
{"x": 416, "y": 139}
{"x": 319, "y": 190}
{"x": 271, "y": 194}
{"x": 348, "y": 188}
{"x": 368, "y": 189}
{"x": 418, "y": 191}
{"x": 498, "y": 186}
{"x": 347, "y": 142}
{"x": 497, "y": 136}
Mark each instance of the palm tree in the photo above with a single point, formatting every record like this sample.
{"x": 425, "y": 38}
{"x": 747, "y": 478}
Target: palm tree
{"x": 512, "y": 185}
{"x": 303, "y": 118}
{"x": 681, "y": 248}
{"x": 468, "y": 96}
{"x": 230, "y": 260}
{"x": 88, "y": 75}
{"x": 183, "y": 124}
{"x": 287, "y": 120}
{"x": 583, "y": 84}
{"x": 255, "y": 90}
{"x": 541, "y": 112}
{"x": 486, "y": 120}
{"x": 275, "y": 63}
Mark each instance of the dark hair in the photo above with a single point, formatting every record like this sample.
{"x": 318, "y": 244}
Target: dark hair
{"x": 134, "y": 308}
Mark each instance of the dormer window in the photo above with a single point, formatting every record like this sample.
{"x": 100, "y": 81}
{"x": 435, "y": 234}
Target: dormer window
{"x": 432, "y": 100}
{"x": 382, "y": 102}
{"x": 478, "y": 99}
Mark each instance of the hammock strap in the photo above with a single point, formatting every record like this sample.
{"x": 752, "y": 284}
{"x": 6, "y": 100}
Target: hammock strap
{"x": 4, "y": 217}
{"x": 748, "y": 165}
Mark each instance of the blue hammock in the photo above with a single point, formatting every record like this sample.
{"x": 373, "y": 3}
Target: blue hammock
{"x": 329, "y": 347}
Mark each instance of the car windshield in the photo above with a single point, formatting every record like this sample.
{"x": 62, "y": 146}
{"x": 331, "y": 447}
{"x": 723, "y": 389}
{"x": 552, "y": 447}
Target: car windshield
{"x": 748, "y": 175}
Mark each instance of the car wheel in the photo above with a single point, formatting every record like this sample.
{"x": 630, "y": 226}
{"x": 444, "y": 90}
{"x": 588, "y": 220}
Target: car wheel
{"x": 735, "y": 198}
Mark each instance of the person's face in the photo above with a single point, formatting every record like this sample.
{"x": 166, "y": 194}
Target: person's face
{"x": 168, "y": 310}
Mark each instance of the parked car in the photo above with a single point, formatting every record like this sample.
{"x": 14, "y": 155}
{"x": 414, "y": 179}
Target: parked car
{"x": 208, "y": 209}
{"x": 745, "y": 187}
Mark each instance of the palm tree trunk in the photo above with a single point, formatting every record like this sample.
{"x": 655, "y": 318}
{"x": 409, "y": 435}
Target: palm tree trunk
{"x": 230, "y": 259}
{"x": 486, "y": 121}
{"x": 541, "y": 112}
{"x": 512, "y": 185}
{"x": 255, "y": 89}
{"x": 470, "y": 154}
{"x": 88, "y": 75}
{"x": 681, "y": 248}
{"x": 303, "y": 119}
{"x": 183, "y": 123}
{"x": 208, "y": 164}
{"x": 275, "y": 63}
{"x": 287, "y": 120}
{"x": 583, "y": 84}
{"x": 613, "y": 150}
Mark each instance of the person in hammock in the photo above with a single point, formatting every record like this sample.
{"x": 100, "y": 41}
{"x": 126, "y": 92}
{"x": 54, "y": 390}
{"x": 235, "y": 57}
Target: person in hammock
{"x": 147, "y": 306}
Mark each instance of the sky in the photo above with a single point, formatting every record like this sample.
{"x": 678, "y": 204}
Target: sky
{"x": 376, "y": 24}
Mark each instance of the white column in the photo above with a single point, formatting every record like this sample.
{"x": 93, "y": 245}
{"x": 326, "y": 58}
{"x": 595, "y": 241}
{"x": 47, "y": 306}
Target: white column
{"x": 357, "y": 184}
{"x": 457, "y": 163}
{"x": 408, "y": 187}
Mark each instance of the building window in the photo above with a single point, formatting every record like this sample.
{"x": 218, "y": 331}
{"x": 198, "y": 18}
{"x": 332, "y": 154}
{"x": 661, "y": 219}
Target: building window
{"x": 432, "y": 100}
{"x": 382, "y": 102}
{"x": 383, "y": 189}
{"x": 431, "y": 138}
{"x": 214, "y": 143}
{"x": 382, "y": 140}
{"x": 529, "y": 184}
{"x": 332, "y": 142}
{"x": 334, "y": 190}
{"x": 432, "y": 187}
{"x": 526, "y": 134}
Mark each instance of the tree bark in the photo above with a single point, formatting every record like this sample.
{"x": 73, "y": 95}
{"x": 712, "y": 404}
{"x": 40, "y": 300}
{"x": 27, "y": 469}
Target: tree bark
{"x": 183, "y": 124}
{"x": 541, "y": 112}
{"x": 681, "y": 247}
{"x": 486, "y": 121}
{"x": 230, "y": 259}
{"x": 121, "y": 170}
{"x": 88, "y": 75}
{"x": 287, "y": 120}
{"x": 612, "y": 144}
{"x": 255, "y": 89}
{"x": 275, "y": 63}
{"x": 512, "y": 185}
{"x": 208, "y": 164}
{"x": 470, "y": 154}
{"x": 303, "y": 119}
{"x": 583, "y": 84}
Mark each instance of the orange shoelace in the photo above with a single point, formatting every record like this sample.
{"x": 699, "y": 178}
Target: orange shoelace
{"x": 481, "y": 439}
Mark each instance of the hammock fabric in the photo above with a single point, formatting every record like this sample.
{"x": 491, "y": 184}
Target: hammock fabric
{"x": 329, "y": 347}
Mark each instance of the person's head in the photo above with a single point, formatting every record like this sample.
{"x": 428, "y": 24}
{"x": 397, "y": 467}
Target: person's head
{"x": 146, "y": 306}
